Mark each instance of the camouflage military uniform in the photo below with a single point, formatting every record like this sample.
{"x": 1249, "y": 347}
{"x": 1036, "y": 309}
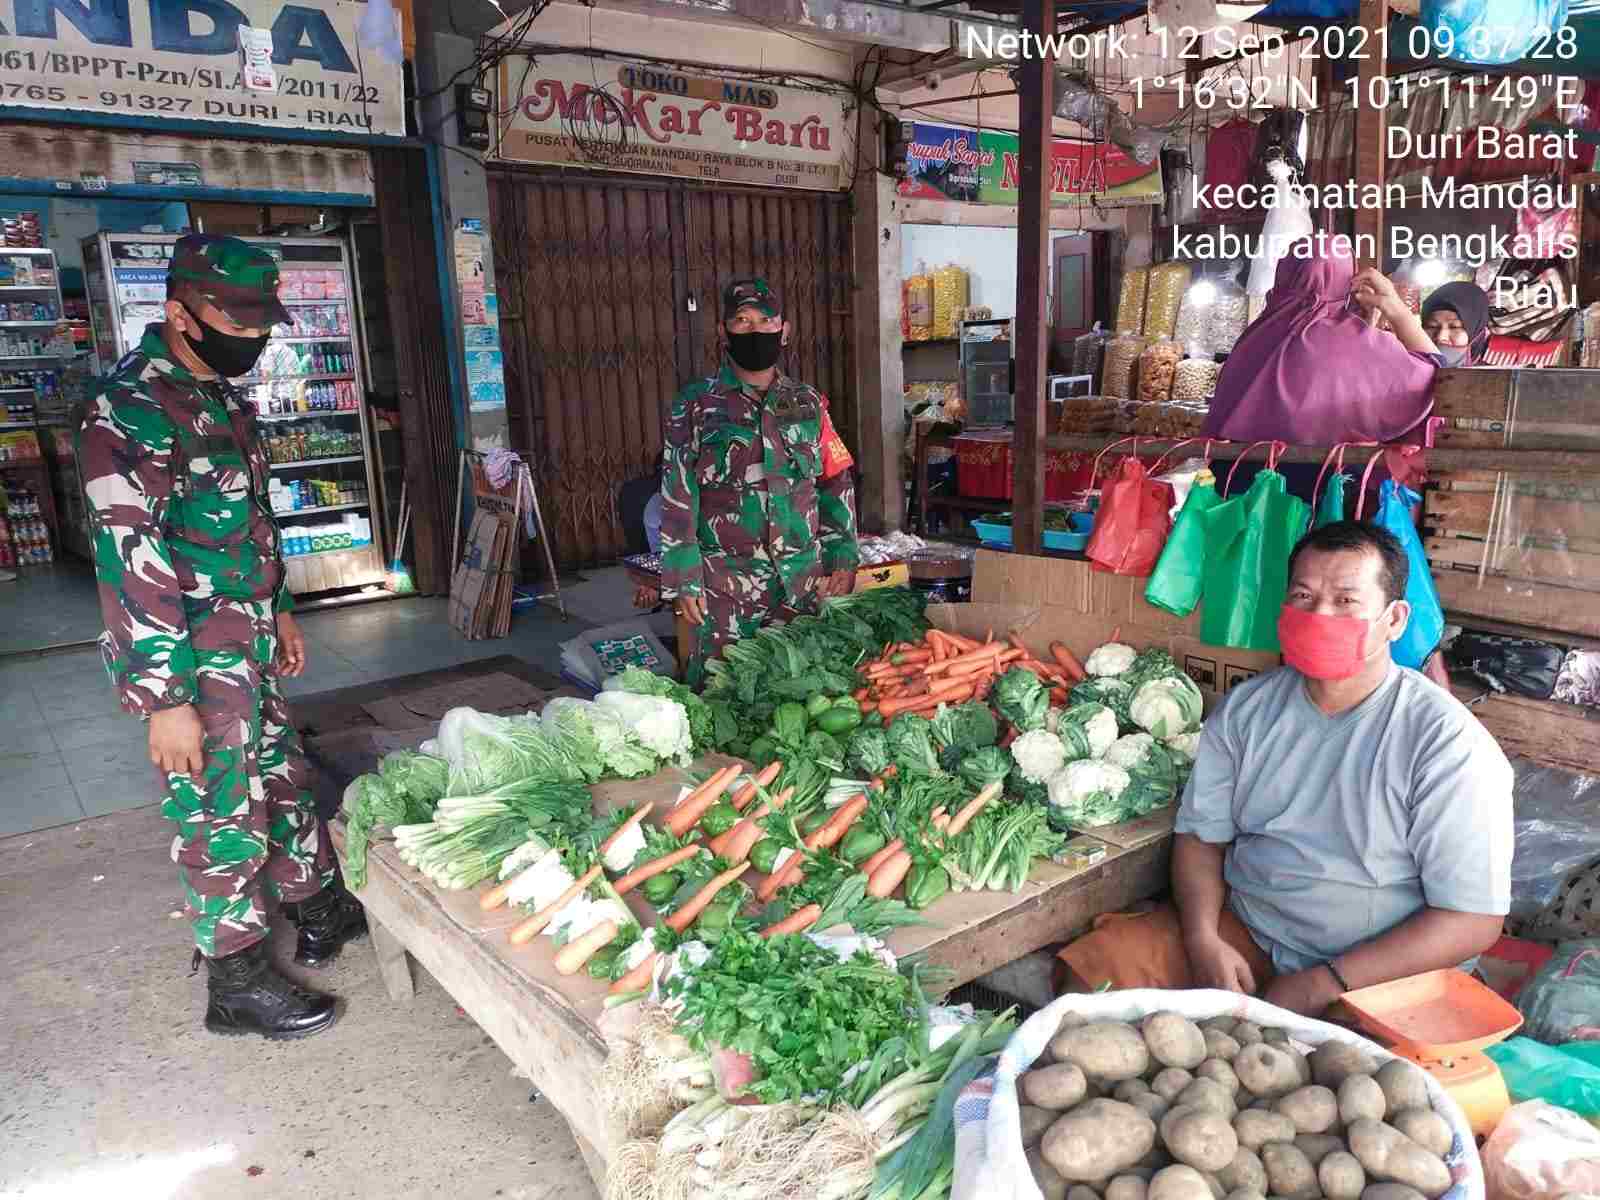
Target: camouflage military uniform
{"x": 191, "y": 581}
{"x": 750, "y": 520}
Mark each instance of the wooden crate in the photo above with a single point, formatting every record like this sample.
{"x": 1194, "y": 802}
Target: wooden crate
{"x": 356, "y": 567}
{"x": 1547, "y": 408}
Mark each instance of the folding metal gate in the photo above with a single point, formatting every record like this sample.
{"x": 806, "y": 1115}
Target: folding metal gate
{"x": 608, "y": 304}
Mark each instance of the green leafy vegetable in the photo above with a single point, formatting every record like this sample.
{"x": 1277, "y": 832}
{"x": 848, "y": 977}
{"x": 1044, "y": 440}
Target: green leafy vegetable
{"x": 1021, "y": 699}
{"x": 789, "y": 723}
{"x": 702, "y": 719}
{"x": 983, "y": 767}
{"x": 1167, "y": 705}
{"x": 869, "y": 750}
{"x": 910, "y": 739}
{"x": 1112, "y": 693}
{"x": 1152, "y": 772}
{"x": 1087, "y": 730}
{"x": 965, "y": 727}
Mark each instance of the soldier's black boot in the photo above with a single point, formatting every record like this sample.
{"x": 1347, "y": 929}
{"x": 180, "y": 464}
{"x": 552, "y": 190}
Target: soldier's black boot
{"x": 248, "y": 995}
{"x": 326, "y": 922}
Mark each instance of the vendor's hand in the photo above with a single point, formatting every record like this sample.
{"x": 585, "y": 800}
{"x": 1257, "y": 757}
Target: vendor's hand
{"x": 176, "y": 741}
{"x": 1215, "y": 964}
{"x": 1372, "y": 289}
{"x": 291, "y": 646}
{"x": 645, "y": 596}
{"x": 1306, "y": 992}
{"x": 692, "y": 609}
{"x": 837, "y": 583}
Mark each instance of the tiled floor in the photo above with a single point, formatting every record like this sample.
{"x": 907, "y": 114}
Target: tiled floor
{"x": 49, "y": 606}
{"x": 67, "y": 752}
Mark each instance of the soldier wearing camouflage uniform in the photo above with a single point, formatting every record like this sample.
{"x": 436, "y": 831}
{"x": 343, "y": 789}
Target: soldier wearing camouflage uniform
{"x": 758, "y": 518}
{"x": 198, "y": 630}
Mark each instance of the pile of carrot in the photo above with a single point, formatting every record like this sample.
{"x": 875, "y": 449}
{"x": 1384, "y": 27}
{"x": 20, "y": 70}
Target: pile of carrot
{"x": 948, "y": 668}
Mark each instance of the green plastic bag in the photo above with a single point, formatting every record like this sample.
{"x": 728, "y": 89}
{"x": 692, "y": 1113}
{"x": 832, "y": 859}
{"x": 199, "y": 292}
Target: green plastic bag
{"x": 1567, "y": 1075}
{"x": 1176, "y": 582}
{"x": 1247, "y": 544}
{"x": 1330, "y": 501}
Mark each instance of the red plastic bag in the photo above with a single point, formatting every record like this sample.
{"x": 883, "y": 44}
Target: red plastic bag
{"x": 1133, "y": 520}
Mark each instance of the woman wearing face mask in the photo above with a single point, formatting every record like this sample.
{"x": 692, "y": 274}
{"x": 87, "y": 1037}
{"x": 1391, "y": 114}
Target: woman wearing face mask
{"x": 1456, "y": 319}
{"x": 758, "y": 517}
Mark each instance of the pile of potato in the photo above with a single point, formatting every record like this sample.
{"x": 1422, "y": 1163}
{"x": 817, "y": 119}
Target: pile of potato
{"x": 1225, "y": 1110}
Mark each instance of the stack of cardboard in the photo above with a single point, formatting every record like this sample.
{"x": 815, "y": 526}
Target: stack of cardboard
{"x": 480, "y": 591}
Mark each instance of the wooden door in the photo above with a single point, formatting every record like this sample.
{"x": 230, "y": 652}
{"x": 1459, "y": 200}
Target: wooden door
{"x": 1071, "y": 294}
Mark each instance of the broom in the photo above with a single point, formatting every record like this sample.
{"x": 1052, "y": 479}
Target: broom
{"x": 400, "y": 578}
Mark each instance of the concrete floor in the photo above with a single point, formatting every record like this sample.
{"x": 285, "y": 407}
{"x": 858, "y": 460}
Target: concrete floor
{"x": 111, "y": 1085}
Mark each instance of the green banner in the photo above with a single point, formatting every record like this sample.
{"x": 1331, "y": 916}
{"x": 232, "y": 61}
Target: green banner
{"x": 1079, "y": 172}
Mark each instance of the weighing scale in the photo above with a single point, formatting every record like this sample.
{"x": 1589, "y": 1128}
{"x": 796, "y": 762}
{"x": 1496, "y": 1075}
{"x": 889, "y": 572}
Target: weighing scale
{"x": 1442, "y": 1020}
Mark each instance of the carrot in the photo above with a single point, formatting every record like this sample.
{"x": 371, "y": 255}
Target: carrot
{"x": 496, "y": 896}
{"x": 796, "y": 922}
{"x": 835, "y": 827}
{"x": 737, "y": 843}
{"x": 1116, "y": 634}
{"x": 889, "y": 772}
{"x": 878, "y": 859}
{"x": 656, "y": 866}
{"x": 981, "y": 685}
{"x": 973, "y": 807}
{"x": 959, "y": 641}
{"x": 693, "y": 806}
{"x": 1058, "y": 695}
{"x": 860, "y": 694}
{"x": 1017, "y": 644}
{"x": 912, "y": 656}
{"x": 535, "y": 924}
{"x": 638, "y": 978}
{"x": 1007, "y": 738}
{"x": 986, "y": 654}
{"x": 888, "y": 875}
{"x": 868, "y": 706}
{"x": 571, "y": 957}
{"x": 936, "y": 813}
{"x": 792, "y": 873}
{"x": 988, "y": 636}
{"x": 936, "y": 644}
{"x": 1068, "y": 660}
{"x": 698, "y": 903}
{"x": 952, "y": 692}
{"x": 639, "y": 814}
{"x": 764, "y": 779}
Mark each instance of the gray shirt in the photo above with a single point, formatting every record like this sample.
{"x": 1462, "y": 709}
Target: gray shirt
{"x": 1340, "y": 828}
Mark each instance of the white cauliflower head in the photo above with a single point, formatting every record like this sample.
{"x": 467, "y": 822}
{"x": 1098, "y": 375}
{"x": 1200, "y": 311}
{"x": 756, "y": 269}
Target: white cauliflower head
{"x": 1038, "y": 754}
{"x": 1111, "y": 659}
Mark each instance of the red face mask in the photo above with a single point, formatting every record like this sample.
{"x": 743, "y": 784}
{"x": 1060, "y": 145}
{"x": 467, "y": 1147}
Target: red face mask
{"x": 1322, "y": 647}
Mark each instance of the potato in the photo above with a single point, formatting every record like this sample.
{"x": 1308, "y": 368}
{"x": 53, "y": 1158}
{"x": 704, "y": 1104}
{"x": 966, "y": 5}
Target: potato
{"x": 1127, "y": 1187}
{"x": 1313, "y": 1109}
{"x": 1199, "y": 1138}
{"x": 1274, "y": 1036}
{"x": 1082, "y": 1191}
{"x": 1174, "y": 1040}
{"x": 1246, "y": 1033}
{"x": 1391, "y": 1157}
{"x": 1099, "y": 1138}
{"x": 1151, "y": 1105}
{"x": 1170, "y": 1082}
{"x": 1402, "y": 1085}
{"x": 1245, "y": 1194}
{"x": 1035, "y": 1121}
{"x": 1220, "y": 1073}
{"x": 1426, "y": 1128}
{"x": 1218, "y": 1192}
{"x": 1049, "y": 1180}
{"x": 1156, "y": 1160}
{"x": 1341, "y": 1176}
{"x": 1391, "y": 1191}
{"x": 1129, "y": 1088}
{"x": 1106, "y": 1051}
{"x": 1179, "y": 1183}
{"x": 1245, "y": 1171}
{"x": 1057, "y": 1088}
{"x": 1220, "y": 1045}
{"x": 1317, "y": 1146}
{"x": 1360, "y": 1097}
{"x": 1218, "y": 1024}
{"x": 1266, "y": 1070}
{"x": 1334, "y": 1062}
{"x": 1289, "y": 1172}
{"x": 1204, "y": 1093}
{"x": 1256, "y": 1127}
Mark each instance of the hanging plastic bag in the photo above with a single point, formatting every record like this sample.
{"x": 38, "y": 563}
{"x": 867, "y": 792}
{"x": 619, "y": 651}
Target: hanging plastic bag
{"x": 1329, "y": 505}
{"x": 1176, "y": 583}
{"x": 1562, "y": 1001}
{"x": 1426, "y": 626}
{"x": 1288, "y": 220}
{"x": 1539, "y": 1152}
{"x": 1490, "y": 32}
{"x": 1247, "y": 543}
{"x": 1567, "y": 1075}
{"x": 1131, "y": 525}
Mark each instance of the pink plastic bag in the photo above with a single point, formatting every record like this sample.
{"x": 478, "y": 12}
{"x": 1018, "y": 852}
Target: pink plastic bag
{"x": 1541, "y": 1152}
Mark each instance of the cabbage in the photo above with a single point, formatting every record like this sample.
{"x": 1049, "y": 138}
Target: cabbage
{"x": 1089, "y": 793}
{"x": 1021, "y": 699}
{"x": 420, "y": 778}
{"x": 1087, "y": 730}
{"x": 597, "y": 740}
{"x": 1039, "y": 754}
{"x": 983, "y": 767}
{"x": 1167, "y": 706}
{"x": 659, "y": 724}
{"x": 1112, "y": 693}
{"x": 969, "y": 726}
{"x": 485, "y": 751}
{"x": 1111, "y": 659}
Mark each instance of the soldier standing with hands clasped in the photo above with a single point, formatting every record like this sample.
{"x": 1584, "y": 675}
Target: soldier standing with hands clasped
{"x": 758, "y": 518}
{"x": 198, "y": 631}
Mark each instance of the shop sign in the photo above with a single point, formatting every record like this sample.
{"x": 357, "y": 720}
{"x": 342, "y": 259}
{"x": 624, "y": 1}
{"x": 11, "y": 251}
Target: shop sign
{"x": 943, "y": 163}
{"x": 179, "y": 60}
{"x": 1079, "y": 172}
{"x": 636, "y": 117}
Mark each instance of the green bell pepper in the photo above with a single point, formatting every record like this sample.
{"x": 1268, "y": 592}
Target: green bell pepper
{"x": 719, "y": 818}
{"x": 925, "y": 885}
{"x": 764, "y": 854}
{"x": 860, "y": 845}
{"x": 658, "y": 889}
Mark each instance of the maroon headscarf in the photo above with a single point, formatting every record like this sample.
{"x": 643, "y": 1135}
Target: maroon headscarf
{"x": 1310, "y": 371}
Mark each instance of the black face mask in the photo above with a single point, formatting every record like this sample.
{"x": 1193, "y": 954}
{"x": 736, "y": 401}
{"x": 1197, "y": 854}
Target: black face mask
{"x": 228, "y": 354}
{"x": 755, "y": 351}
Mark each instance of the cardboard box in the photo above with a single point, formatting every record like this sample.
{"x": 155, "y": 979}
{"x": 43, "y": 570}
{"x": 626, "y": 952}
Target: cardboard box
{"x": 1053, "y": 599}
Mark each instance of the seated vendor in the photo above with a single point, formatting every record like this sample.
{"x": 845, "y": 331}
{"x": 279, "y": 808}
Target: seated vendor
{"x": 1347, "y": 822}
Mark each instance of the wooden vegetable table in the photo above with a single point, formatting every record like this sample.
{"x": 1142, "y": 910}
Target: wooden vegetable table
{"x": 550, "y": 1026}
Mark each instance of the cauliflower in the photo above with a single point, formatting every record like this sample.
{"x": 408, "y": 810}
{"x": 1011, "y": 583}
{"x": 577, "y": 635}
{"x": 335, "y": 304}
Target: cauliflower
{"x": 1185, "y": 745}
{"x": 1039, "y": 754}
{"x": 1088, "y": 792}
{"x": 659, "y": 724}
{"x": 1087, "y": 730}
{"x": 1166, "y": 706}
{"x": 1129, "y": 752}
{"x": 1111, "y": 659}
{"x": 625, "y": 849}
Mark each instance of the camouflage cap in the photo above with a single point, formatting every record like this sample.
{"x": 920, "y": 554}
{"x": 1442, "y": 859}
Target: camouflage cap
{"x": 754, "y": 292}
{"x": 240, "y": 279}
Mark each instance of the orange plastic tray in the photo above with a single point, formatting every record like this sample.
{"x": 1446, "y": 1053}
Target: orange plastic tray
{"x": 1437, "y": 1015}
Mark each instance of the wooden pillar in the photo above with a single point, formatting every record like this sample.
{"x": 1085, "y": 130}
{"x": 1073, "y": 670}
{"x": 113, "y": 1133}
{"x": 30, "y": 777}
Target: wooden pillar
{"x": 879, "y": 407}
{"x": 1371, "y": 134}
{"x": 1035, "y": 97}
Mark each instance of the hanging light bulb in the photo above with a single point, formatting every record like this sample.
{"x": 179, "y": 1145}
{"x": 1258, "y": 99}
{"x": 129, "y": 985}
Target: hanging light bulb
{"x": 1203, "y": 293}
